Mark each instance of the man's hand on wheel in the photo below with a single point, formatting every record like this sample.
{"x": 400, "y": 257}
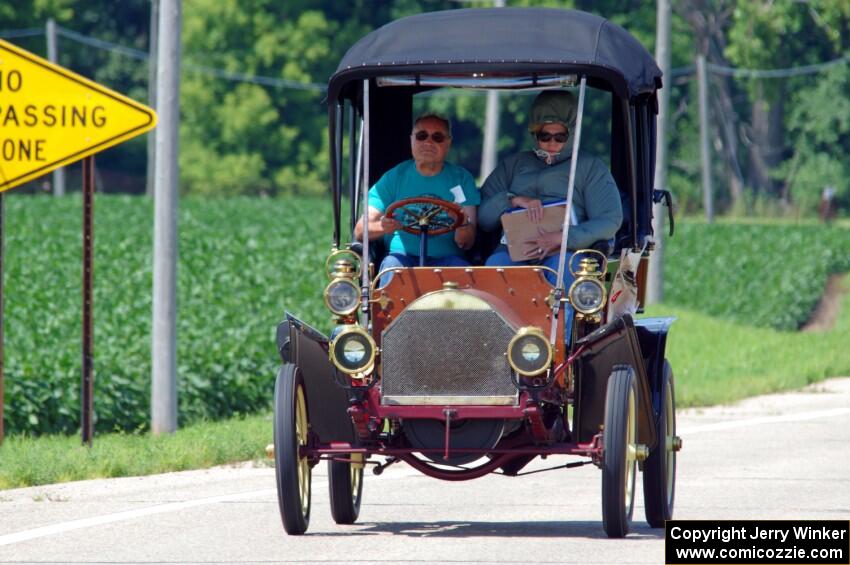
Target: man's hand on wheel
{"x": 389, "y": 225}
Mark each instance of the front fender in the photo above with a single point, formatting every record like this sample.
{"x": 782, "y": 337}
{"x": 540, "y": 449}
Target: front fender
{"x": 327, "y": 402}
{"x": 615, "y": 343}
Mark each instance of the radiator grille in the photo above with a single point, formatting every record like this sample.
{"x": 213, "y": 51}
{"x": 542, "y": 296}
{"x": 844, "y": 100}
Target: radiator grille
{"x": 447, "y": 357}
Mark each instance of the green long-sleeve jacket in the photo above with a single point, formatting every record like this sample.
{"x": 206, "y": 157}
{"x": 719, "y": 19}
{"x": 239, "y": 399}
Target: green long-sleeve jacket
{"x": 597, "y": 209}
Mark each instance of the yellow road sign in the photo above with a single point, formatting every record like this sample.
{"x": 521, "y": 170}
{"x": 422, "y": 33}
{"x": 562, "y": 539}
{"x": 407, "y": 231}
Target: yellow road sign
{"x": 50, "y": 116}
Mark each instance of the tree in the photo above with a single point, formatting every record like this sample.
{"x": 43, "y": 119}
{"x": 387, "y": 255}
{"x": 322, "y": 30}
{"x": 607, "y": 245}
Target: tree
{"x": 766, "y": 34}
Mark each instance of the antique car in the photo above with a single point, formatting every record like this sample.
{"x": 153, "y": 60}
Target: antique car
{"x": 463, "y": 371}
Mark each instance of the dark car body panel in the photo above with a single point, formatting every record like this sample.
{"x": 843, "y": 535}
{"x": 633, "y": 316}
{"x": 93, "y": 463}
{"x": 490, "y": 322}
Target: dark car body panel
{"x": 327, "y": 402}
{"x": 652, "y": 336}
{"x": 614, "y": 344}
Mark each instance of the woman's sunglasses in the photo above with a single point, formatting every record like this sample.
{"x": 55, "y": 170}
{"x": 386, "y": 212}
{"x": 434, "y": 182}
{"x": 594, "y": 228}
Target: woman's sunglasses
{"x": 436, "y": 137}
{"x": 545, "y": 136}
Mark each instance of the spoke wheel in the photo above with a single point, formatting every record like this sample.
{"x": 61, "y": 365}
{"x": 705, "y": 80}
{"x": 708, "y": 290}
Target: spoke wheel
{"x": 659, "y": 470}
{"x": 345, "y": 481}
{"x": 619, "y": 445}
{"x": 292, "y": 471}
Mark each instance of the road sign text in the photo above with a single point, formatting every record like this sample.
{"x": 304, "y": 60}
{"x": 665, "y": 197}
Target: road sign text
{"x": 22, "y": 150}
{"x": 11, "y": 80}
{"x": 50, "y": 117}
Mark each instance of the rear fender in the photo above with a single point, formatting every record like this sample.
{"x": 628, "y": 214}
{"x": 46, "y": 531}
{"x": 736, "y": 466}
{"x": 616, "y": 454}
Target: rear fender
{"x": 652, "y": 335}
{"x": 327, "y": 402}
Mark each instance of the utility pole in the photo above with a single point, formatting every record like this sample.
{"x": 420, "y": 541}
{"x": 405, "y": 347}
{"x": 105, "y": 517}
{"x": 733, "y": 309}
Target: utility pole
{"x": 152, "y": 40}
{"x": 164, "y": 330}
{"x": 52, "y": 56}
{"x": 705, "y": 151}
{"x": 655, "y": 276}
{"x": 491, "y": 125}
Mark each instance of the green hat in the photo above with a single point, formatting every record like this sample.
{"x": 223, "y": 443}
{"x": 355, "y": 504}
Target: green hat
{"x": 553, "y": 107}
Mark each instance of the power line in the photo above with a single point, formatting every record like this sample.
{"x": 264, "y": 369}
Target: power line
{"x": 101, "y": 44}
{"x": 683, "y": 71}
{"x": 776, "y": 73}
{"x": 274, "y": 82}
{"x": 761, "y": 73}
{"x": 29, "y": 32}
{"x": 257, "y": 79}
{"x": 201, "y": 69}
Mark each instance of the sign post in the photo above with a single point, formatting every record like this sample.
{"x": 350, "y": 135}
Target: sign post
{"x": 2, "y": 395}
{"x": 51, "y": 117}
{"x": 87, "y": 389}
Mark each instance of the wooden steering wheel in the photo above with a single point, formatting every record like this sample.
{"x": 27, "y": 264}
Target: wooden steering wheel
{"x": 424, "y": 213}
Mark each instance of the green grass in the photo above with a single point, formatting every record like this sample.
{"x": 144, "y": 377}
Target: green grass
{"x": 764, "y": 275}
{"x": 29, "y": 461}
{"x": 243, "y": 262}
{"x": 714, "y": 361}
{"x": 718, "y": 361}
{"x": 739, "y": 291}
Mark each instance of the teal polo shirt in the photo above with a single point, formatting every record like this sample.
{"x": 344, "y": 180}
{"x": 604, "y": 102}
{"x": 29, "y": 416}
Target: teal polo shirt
{"x": 453, "y": 183}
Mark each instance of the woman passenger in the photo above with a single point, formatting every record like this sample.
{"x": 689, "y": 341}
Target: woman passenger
{"x": 531, "y": 179}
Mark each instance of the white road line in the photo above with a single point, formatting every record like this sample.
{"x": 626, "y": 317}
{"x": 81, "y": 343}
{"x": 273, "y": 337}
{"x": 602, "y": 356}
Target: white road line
{"x": 800, "y": 416}
{"x": 129, "y": 515}
{"x": 175, "y": 506}
{"x": 62, "y": 527}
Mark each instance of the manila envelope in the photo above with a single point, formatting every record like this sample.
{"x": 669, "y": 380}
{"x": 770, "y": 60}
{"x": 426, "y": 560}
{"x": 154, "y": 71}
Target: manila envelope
{"x": 519, "y": 231}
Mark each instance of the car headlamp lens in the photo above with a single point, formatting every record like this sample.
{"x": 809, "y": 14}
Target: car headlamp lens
{"x": 587, "y": 296}
{"x": 342, "y": 297}
{"x": 529, "y": 352}
{"x": 353, "y": 351}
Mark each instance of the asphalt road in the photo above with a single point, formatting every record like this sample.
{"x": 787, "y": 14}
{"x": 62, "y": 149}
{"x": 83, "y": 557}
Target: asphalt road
{"x": 773, "y": 457}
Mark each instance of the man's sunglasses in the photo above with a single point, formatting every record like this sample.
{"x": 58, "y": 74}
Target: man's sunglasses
{"x": 545, "y": 136}
{"x": 436, "y": 137}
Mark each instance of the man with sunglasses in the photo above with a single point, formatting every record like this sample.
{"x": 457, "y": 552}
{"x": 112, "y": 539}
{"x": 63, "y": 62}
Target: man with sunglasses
{"x": 532, "y": 179}
{"x": 426, "y": 174}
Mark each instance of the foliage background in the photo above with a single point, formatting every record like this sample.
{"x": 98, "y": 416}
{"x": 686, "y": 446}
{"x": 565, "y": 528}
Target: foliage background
{"x": 776, "y": 142}
{"x": 238, "y": 272}
{"x": 244, "y": 261}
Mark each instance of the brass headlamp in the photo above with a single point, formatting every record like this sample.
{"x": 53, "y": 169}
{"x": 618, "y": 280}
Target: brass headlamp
{"x": 342, "y": 295}
{"x": 587, "y": 294}
{"x": 353, "y": 351}
{"x": 529, "y": 352}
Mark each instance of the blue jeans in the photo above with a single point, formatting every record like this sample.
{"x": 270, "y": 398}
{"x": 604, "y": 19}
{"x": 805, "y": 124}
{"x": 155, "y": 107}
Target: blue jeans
{"x": 501, "y": 258}
{"x": 395, "y": 260}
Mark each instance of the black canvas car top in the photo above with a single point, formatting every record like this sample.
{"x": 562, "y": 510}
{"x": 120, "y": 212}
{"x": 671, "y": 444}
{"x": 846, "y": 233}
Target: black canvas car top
{"x": 506, "y": 39}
